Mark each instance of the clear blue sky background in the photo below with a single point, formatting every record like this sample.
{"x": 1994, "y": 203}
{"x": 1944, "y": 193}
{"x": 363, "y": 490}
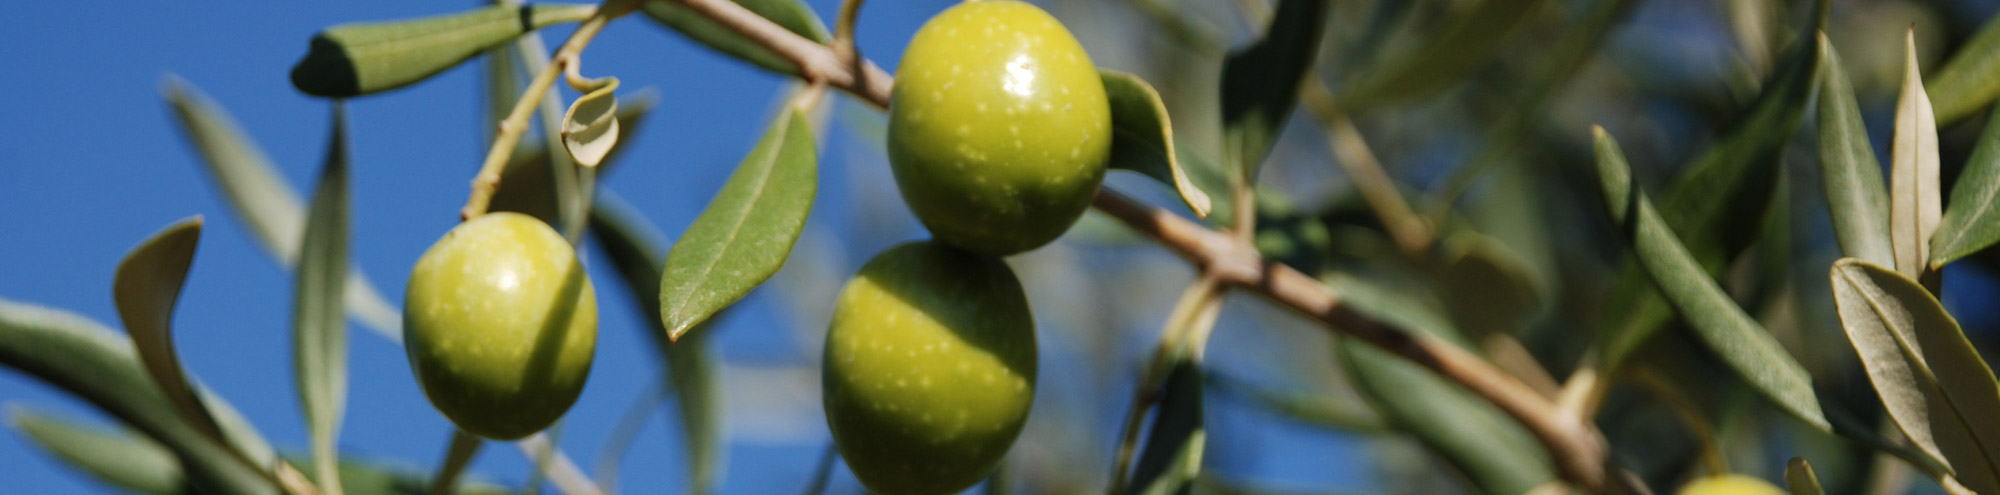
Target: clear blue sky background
{"x": 91, "y": 163}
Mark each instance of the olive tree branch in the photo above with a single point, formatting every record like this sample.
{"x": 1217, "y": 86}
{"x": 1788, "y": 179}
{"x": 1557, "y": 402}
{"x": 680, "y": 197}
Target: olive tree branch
{"x": 1577, "y": 448}
{"x": 488, "y": 180}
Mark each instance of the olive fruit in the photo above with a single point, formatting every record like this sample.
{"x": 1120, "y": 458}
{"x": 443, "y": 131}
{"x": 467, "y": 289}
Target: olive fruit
{"x": 1730, "y": 484}
{"x": 998, "y": 127}
{"x": 929, "y": 369}
{"x": 500, "y": 322}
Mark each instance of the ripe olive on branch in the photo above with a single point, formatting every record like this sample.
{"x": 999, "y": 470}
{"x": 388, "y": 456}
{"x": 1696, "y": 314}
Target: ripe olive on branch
{"x": 500, "y": 324}
{"x": 929, "y": 369}
{"x": 998, "y": 127}
{"x": 1730, "y": 484}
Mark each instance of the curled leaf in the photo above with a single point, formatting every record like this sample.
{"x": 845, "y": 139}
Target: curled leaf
{"x": 371, "y": 57}
{"x": 1142, "y": 137}
{"x": 590, "y": 127}
{"x": 146, "y": 289}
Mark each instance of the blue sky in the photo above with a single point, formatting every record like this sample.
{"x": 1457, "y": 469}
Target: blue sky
{"x": 91, "y": 164}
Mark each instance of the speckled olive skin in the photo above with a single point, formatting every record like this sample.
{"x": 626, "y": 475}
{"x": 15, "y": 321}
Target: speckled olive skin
{"x": 929, "y": 369}
{"x": 500, "y": 323}
{"x": 1730, "y": 484}
{"x": 998, "y": 127}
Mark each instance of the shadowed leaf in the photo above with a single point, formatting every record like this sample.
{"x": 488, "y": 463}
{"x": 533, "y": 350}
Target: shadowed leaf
{"x": 1965, "y": 83}
{"x": 1174, "y": 447}
{"x": 1260, "y": 84}
{"x": 746, "y": 232}
{"x": 1142, "y": 137}
{"x": 121, "y": 459}
{"x": 370, "y": 57}
{"x": 1722, "y": 326}
{"x": 1441, "y": 60}
{"x": 1972, "y": 222}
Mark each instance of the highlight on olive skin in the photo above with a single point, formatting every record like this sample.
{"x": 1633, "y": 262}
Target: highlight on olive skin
{"x": 999, "y": 127}
{"x": 500, "y": 325}
{"x": 929, "y": 369}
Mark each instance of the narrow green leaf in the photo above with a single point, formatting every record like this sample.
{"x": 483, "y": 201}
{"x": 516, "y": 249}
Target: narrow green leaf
{"x": 1442, "y": 60}
{"x": 146, "y": 289}
{"x": 1966, "y": 83}
{"x": 1914, "y": 203}
{"x": 1855, "y": 196}
{"x": 1723, "y": 326}
{"x": 121, "y": 459}
{"x": 100, "y": 366}
{"x": 1142, "y": 137}
{"x": 370, "y": 57}
{"x": 1717, "y": 205}
{"x": 590, "y": 126}
{"x": 319, "y": 326}
{"x": 269, "y": 206}
{"x": 1174, "y": 446}
{"x": 746, "y": 232}
{"x": 1493, "y": 450}
{"x": 635, "y": 248}
{"x": 1952, "y": 391}
{"x": 1800, "y": 478}
{"x": 1972, "y": 222}
{"x": 793, "y": 15}
{"x": 1260, "y": 84}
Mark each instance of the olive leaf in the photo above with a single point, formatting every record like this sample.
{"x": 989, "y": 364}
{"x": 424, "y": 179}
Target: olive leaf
{"x": 121, "y": 459}
{"x": 526, "y": 185}
{"x": 1930, "y": 378}
{"x": 693, "y": 371}
{"x": 1965, "y": 83}
{"x": 269, "y": 206}
{"x": 1260, "y": 84}
{"x": 1972, "y": 222}
{"x": 746, "y": 232}
{"x": 1142, "y": 137}
{"x": 793, "y": 15}
{"x": 146, "y": 289}
{"x": 590, "y": 126}
{"x": 1441, "y": 60}
{"x": 1174, "y": 446}
{"x": 1487, "y": 286}
{"x": 1800, "y": 479}
{"x": 1721, "y": 325}
{"x": 99, "y": 365}
{"x": 1914, "y": 204}
{"x": 371, "y": 57}
{"x": 1850, "y": 174}
{"x": 319, "y": 324}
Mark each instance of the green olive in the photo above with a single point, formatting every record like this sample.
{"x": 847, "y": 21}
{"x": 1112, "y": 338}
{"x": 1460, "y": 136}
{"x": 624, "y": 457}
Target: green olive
{"x": 500, "y": 322}
{"x": 1730, "y": 484}
{"x": 929, "y": 369}
{"x": 998, "y": 127}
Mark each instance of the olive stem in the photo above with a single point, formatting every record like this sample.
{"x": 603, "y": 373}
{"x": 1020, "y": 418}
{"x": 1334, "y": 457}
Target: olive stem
{"x": 1185, "y": 332}
{"x": 457, "y": 456}
{"x": 488, "y": 180}
{"x": 561, "y": 471}
{"x": 843, "y": 32}
{"x": 1578, "y": 449}
{"x": 1411, "y": 232}
{"x": 823, "y": 473}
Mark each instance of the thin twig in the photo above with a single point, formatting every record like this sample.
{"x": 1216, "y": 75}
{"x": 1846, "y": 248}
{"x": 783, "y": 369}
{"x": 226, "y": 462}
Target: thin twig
{"x": 1577, "y": 448}
{"x": 560, "y": 470}
{"x": 1412, "y": 234}
{"x": 456, "y": 457}
{"x": 823, "y": 473}
{"x": 627, "y": 429}
{"x": 488, "y": 180}
{"x": 1198, "y": 307}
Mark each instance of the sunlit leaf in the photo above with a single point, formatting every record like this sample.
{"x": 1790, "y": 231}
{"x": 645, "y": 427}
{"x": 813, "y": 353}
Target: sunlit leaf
{"x": 635, "y": 247}
{"x": 590, "y": 127}
{"x": 1965, "y": 82}
{"x": 793, "y": 15}
{"x": 121, "y": 459}
{"x": 1142, "y": 138}
{"x": 1855, "y": 196}
{"x": 1944, "y": 391}
{"x": 146, "y": 289}
{"x": 1493, "y": 450}
{"x": 371, "y": 57}
{"x": 1443, "y": 59}
{"x": 100, "y": 366}
{"x": 1914, "y": 203}
{"x": 746, "y": 232}
{"x": 1972, "y": 222}
{"x": 1723, "y": 326}
{"x": 319, "y": 324}
{"x": 1260, "y": 84}
{"x": 269, "y": 206}
{"x": 1172, "y": 456}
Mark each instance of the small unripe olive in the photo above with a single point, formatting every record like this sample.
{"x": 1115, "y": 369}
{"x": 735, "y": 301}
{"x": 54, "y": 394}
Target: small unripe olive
{"x": 500, "y": 323}
{"x": 1730, "y": 484}
{"x": 929, "y": 369}
{"x": 998, "y": 127}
